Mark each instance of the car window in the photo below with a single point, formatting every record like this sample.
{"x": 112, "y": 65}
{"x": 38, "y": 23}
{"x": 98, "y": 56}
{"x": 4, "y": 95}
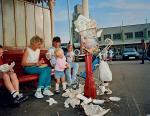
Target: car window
{"x": 129, "y": 50}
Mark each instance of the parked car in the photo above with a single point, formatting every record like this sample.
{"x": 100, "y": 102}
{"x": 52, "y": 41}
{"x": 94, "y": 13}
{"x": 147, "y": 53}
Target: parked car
{"x": 130, "y": 53}
{"x": 78, "y": 55}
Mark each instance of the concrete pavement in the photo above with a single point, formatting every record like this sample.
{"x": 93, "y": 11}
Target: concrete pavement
{"x": 131, "y": 82}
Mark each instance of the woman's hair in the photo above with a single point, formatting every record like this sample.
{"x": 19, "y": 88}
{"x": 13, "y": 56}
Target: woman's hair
{"x": 36, "y": 39}
{"x": 58, "y": 51}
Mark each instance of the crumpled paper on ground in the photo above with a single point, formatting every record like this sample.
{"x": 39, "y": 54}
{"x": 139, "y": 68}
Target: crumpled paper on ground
{"x": 97, "y": 101}
{"x": 94, "y": 110}
{"x": 72, "y": 93}
{"x": 114, "y": 99}
{"x": 51, "y": 101}
{"x": 72, "y": 101}
{"x": 85, "y": 99}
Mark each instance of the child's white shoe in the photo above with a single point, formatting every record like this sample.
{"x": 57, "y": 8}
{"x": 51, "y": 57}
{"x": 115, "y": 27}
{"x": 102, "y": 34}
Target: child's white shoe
{"x": 38, "y": 94}
{"x": 47, "y": 92}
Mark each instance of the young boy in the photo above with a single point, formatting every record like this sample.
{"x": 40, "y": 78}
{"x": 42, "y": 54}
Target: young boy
{"x": 11, "y": 81}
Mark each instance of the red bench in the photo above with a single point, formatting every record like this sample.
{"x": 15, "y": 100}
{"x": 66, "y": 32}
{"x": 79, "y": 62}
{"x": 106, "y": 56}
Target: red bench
{"x": 16, "y": 56}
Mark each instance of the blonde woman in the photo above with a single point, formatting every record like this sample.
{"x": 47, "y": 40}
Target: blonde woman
{"x": 33, "y": 65}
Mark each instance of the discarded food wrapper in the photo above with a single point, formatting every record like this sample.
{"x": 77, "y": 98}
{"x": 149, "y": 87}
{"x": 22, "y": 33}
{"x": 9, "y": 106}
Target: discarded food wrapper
{"x": 94, "y": 110}
{"x": 51, "y": 101}
{"x": 72, "y": 101}
{"x": 66, "y": 94}
{"x": 73, "y": 93}
{"x": 114, "y": 99}
{"x": 96, "y": 101}
{"x": 85, "y": 99}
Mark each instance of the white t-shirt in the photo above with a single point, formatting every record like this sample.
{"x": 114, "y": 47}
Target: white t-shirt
{"x": 33, "y": 56}
{"x": 70, "y": 56}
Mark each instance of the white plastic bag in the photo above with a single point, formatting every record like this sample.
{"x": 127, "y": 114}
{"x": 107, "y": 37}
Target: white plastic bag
{"x": 105, "y": 72}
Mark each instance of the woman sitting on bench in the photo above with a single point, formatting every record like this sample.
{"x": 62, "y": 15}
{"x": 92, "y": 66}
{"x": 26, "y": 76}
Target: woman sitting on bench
{"x": 33, "y": 65}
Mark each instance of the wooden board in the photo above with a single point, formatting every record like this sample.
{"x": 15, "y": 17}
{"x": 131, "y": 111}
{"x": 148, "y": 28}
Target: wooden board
{"x": 8, "y": 22}
{"x": 47, "y": 28}
{"x": 20, "y": 24}
{"x": 30, "y": 22}
{"x": 39, "y": 21}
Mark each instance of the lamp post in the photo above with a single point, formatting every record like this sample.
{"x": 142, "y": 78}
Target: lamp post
{"x": 68, "y": 9}
{"x": 51, "y": 6}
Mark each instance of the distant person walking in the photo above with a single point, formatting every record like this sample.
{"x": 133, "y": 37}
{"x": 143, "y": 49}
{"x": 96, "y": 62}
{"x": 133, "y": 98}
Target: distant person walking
{"x": 144, "y": 51}
{"x": 110, "y": 55}
{"x": 148, "y": 50}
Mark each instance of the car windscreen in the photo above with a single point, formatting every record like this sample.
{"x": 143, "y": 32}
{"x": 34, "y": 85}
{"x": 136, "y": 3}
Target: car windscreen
{"x": 129, "y": 50}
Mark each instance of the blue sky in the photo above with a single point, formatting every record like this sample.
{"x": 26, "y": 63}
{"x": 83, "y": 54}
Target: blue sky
{"x": 107, "y": 13}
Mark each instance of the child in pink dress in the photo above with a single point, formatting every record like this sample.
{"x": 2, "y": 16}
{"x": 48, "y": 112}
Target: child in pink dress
{"x": 60, "y": 66}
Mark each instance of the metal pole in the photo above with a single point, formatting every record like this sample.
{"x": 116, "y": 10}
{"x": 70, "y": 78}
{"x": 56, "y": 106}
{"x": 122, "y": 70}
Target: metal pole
{"x": 146, "y": 29}
{"x": 68, "y": 9}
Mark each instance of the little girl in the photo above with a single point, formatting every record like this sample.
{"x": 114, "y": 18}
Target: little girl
{"x": 60, "y": 66}
{"x": 73, "y": 65}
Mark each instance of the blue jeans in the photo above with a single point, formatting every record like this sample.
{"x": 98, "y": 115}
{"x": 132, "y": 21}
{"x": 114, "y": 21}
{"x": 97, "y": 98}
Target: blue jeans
{"x": 144, "y": 56}
{"x": 95, "y": 61}
{"x": 74, "y": 67}
{"x": 44, "y": 75}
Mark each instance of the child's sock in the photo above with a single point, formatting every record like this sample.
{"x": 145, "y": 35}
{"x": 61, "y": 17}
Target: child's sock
{"x": 57, "y": 87}
{"x": 64, "y": 85}
{"x": 14, "y": 94}
{"x": 39, "y": 89}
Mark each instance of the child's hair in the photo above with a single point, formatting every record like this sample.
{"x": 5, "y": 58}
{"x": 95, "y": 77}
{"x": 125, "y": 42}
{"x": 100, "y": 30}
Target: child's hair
{"x": 58, "y": 51}
{"x": 1, "y": 46}
{"x": 69, "y": 45}
{"x": 36, "y": 39}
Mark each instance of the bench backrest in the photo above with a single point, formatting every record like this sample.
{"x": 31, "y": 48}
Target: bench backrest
{"x": 16, "y": 56}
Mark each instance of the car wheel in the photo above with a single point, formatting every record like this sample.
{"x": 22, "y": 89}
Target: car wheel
{"x": 77, "y": 52}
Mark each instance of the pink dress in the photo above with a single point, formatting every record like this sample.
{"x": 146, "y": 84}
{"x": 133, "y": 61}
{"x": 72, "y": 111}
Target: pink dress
{"x": 60, "y": 64}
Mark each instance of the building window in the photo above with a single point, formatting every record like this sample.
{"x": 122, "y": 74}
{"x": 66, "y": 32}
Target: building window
{"x": 116, "y": 36}
{"x": 129, "y": 35}
{"x": 139, "y": 34}
{"x": 107, "y": 36}
{"x": 148, "y": 33}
